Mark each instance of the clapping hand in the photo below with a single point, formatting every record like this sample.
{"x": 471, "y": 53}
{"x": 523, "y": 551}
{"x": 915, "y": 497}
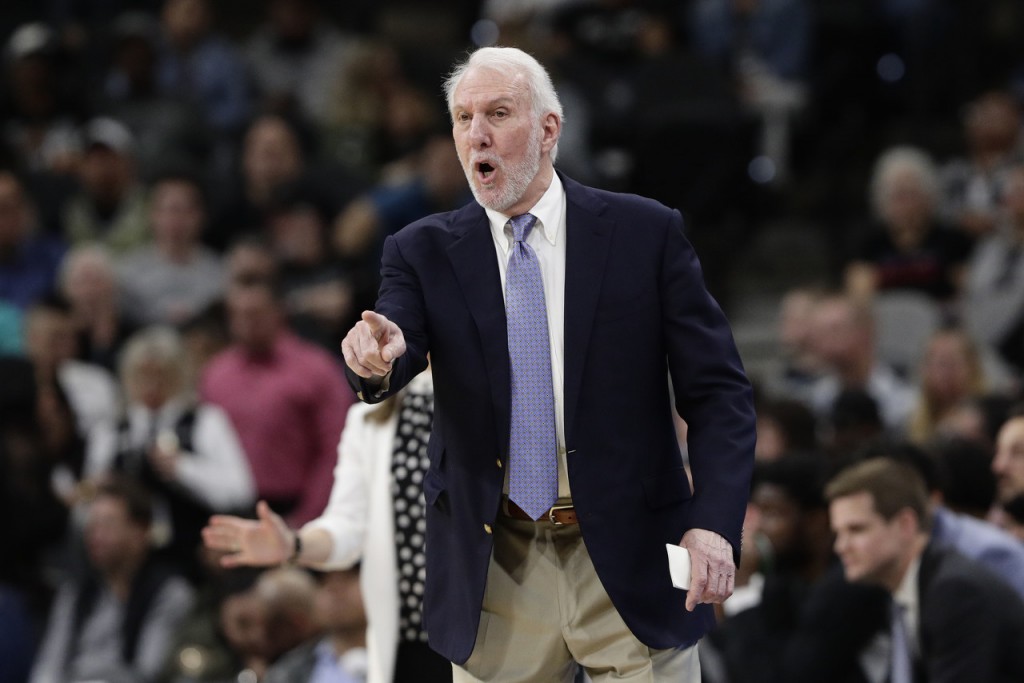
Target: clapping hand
{"x": 250, "y": 542}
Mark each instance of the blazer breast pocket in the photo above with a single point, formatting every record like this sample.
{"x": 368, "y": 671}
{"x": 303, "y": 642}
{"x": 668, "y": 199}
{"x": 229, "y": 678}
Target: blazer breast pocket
{"x": 667, "y": 488}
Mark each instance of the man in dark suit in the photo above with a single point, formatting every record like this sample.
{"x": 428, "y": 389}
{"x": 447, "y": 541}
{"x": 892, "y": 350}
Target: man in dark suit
{"x": 951, "y": 620}
{"x": 626, "y": 328}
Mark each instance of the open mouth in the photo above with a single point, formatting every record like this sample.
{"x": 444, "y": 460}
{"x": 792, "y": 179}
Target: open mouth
{"x": 485, "y": 171}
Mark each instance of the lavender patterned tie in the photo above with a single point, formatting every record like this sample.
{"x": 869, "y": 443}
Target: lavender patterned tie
{"x": 533, "y": 474}
{"x": 900, "y": 665}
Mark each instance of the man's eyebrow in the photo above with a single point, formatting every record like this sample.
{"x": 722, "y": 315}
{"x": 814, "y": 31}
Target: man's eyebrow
{"x": 503, "y": 101}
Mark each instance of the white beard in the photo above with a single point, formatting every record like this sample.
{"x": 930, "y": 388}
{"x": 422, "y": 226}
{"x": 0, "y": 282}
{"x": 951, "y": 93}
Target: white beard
{"x": 517, "y": 177}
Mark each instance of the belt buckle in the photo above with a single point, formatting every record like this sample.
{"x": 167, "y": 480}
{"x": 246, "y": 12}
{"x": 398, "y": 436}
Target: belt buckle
{"x": 556, "y": 508}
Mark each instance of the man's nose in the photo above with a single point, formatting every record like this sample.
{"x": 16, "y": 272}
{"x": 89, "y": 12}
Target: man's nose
{"x": 838, "y": 544}
{"x": 479, "y": 132}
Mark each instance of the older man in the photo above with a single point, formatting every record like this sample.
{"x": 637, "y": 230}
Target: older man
{"x": 556, "y": 317}
{"x": 561, "y": 323}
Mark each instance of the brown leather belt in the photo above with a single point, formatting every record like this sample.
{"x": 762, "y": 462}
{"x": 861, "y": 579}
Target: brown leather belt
{"x": 559, "y": 515}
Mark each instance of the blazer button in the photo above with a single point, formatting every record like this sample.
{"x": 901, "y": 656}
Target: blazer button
{"x": 487, "y": 528}
{"x": 498, "y": 461}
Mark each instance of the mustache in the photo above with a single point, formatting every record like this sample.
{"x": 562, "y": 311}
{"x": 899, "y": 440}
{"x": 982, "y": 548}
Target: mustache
{"x": 477, "y": 159}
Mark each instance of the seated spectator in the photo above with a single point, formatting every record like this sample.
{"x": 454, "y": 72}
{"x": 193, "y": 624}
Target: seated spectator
{"x": 907, "y": 248}
{"x": 110, "y": 207}
{"x": 1008, "y": 463}
{"x": 436, "y": 183}
{"x": 201, "y": 650}
{"x": 169, "y": 130}
{"x": 951, "y": 527}
{"x": 50, "y": 344}
{"x": 878, "y": 511}
{"x": 286, "y": 397}
{"x": 251, "y": 259}
{"x": 844, "y": 340}
{"x": 993, "y": 305}
{"x": 951, "y": 374}
{"x": 784, "y": 426}
{"x": 765, "y": 46}
{"x": 972, "y": 184}
{"x": 793, "y": 518}
{"x": 853, "y": 424}
{"x": 766, "y": 38}
{"x": 184, "y": 452}
{"x": 297, "y": 57}
{"x": 175, "y": 276}
{"x": 27, "y": 465}
{"x": 204, "y": 335}
{"x": 202, "y": 66}
{"x": 277, "y": 154}
{"x": 29, "y": 258}
{"x": 38, "y": 101}
{"x": 285, "y": 597}
{"x": 800, "y": 367}
{"x": 88, "y": 281}
{"x": 115, "y": 622}
{"x": 968, "y": 483}
{"x": 242, "y": 624}
{"x": 317, "y": 288}
{"x": 339, "y": 654}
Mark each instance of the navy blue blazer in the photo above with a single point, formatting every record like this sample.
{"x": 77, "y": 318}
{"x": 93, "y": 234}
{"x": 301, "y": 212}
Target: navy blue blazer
{"x": 636, "y": 313}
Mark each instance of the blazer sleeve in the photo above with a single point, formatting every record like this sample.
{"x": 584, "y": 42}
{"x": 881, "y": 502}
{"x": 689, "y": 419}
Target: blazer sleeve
{"x": 401, "y": 301}
{"x": 712, "y": 392}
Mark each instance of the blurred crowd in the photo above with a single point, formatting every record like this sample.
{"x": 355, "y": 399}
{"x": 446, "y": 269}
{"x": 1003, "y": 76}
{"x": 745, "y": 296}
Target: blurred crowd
{"x": 193, "y": 198}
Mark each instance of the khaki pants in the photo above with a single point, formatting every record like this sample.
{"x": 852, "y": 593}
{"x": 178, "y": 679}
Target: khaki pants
{"x": 545, "y": 610}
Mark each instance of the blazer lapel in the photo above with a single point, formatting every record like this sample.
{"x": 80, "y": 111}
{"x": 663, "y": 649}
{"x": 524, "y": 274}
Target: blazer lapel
{"x": 588, "y": 236}
{"x": 475, "y": 265}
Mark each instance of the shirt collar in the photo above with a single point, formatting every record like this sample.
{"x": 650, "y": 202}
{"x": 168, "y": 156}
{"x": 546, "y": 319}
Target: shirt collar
{"x": 906, "y": 592}
{"x": 548, "y": 211}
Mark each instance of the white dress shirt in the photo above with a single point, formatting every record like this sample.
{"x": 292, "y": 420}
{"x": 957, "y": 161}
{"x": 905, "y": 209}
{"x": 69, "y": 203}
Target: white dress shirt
{"x": 906, "y": 596}
{"x": 547, "y": 239}
{"x": 216, "y": 471}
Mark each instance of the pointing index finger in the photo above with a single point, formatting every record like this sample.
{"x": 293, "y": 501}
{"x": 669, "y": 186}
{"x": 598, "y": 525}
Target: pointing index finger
{"x": 376, "y": 322}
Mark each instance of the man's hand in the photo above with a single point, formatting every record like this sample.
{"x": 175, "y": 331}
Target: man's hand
{"x": 712, "y": 571}
{"x": 263, "y": 542}
{"x": 372, "y": 345}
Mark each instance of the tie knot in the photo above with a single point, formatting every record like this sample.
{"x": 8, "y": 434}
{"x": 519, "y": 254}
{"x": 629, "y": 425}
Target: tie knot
{"x": 521, "y": 225}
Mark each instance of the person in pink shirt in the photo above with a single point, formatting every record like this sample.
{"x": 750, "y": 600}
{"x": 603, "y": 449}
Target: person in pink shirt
{"x": 287, "y": 399}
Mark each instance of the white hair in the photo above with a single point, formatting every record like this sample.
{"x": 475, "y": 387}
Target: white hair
{"x": 93, "y": 253}
{"x": 511, "y": 62}
{"x": 900, "y": 159}
{"x": 160, "y": 344}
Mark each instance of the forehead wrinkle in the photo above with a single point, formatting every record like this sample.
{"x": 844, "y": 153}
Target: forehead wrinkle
{"x": 514, "y": 86}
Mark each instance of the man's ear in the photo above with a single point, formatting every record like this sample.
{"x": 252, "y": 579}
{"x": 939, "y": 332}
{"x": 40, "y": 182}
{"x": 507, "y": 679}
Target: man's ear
{"x": 551, "y": 125}
{"x": 907, "y": 523}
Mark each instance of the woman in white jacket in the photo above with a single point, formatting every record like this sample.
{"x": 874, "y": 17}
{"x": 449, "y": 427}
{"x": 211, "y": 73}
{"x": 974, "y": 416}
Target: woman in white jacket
{"x": 375, "y": 517}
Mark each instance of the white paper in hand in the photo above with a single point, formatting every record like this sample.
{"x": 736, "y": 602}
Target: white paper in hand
{"x": 679, "y": 565}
